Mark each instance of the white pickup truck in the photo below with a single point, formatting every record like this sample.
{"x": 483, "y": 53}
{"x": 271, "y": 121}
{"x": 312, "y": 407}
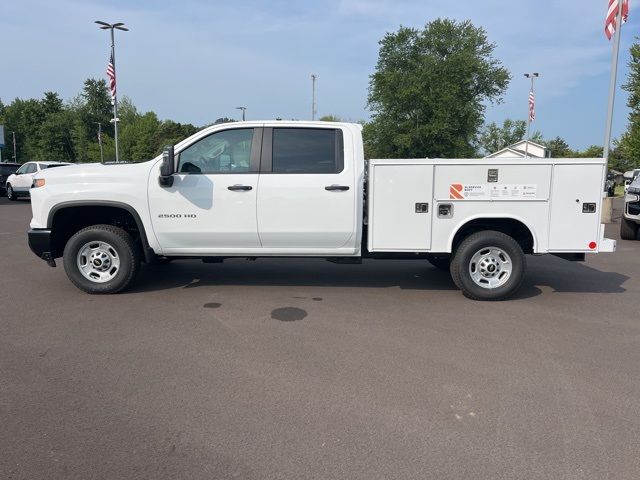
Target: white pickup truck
{"x": 303, "y": 189}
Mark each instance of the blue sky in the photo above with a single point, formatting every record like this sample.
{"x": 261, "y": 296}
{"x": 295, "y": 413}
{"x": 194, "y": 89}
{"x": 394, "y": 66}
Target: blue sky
{"x": 195, "y": 60}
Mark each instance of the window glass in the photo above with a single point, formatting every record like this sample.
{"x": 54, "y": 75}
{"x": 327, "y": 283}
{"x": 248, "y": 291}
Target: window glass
{"x": 306, "y": 150}
{"x": 31, "y": 168}
{"x": 7, "y": 169}
{"x": 228, "y": 151}
{"x": 22, "y": 169}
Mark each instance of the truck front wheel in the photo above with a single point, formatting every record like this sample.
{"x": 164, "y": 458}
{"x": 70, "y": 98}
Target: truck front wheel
{"x": 101, "y": 259}
{"x": 488, "y": 265}
{"x": 628, "y": 229}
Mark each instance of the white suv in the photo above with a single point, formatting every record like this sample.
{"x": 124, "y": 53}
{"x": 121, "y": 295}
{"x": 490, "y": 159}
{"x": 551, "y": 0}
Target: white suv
{"x": 19, "y": 184}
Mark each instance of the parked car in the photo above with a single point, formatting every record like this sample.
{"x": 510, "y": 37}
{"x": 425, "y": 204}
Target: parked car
{"x": 631, "y": 213}
{"x": 19, "y": 183}
{"x": 6, "y": 169}
{"x": 610, "y": 185}
{"x": 630, "y": 176}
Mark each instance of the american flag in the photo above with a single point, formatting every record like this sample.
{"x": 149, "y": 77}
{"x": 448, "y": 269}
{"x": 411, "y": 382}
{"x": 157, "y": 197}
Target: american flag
{"x": 612, "y": 14}
{"x": 532, "y": 106}
{"x": 111, "y": 73}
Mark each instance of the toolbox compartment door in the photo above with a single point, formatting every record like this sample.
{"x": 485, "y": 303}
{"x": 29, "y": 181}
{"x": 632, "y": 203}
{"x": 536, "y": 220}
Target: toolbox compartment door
{"x": 576, "y": 197}
{"x": 400, "y": 208}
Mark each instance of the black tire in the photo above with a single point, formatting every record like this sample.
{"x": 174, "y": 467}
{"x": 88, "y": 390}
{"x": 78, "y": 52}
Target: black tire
{"x": 127, "y": 252}
{"x": 475, "y": 243}
{"x": 11, "y": 195}
{"x": 628, "y": 229}
{"x": 443, "y": 262}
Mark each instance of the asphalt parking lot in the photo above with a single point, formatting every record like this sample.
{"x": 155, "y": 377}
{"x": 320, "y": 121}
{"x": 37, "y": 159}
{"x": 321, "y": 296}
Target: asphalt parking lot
{"x": 305, "y": 369}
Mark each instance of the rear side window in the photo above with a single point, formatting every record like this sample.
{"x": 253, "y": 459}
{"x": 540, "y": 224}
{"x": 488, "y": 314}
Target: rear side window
{"x": 7, "y": 169}
{"x": 307, "y": 150}
{"x": 31, "y": 168}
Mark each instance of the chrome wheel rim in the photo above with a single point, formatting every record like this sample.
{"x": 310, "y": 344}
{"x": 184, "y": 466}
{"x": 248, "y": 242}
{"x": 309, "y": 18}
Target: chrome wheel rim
{"x": 9, "y": 191}
{"x": 98, "y": 261}
{"x": 490, "y": 267}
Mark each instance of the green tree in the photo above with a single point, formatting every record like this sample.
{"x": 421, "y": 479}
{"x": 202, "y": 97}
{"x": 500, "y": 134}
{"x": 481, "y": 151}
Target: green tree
{"x": 593, "y": 151}
{"x": 493, "y": 137}
{"x": 330, "y": 118}
{"x": 559, "y": 148}
{"x": 629, "y": 143}
{"x": 430, "y": 89}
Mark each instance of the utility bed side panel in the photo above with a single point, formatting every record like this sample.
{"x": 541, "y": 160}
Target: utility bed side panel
{"x": 493, "y": 182}
{"x": 576, "y": 200}
{"x": 400, "y": 208}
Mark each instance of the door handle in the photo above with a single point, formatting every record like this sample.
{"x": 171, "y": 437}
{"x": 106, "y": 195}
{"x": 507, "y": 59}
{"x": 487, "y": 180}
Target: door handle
{"x": 240, "y": 188}
{"x": 337, "y": 188}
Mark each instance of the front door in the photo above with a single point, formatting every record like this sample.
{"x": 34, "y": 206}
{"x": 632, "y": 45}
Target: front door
{"x": 24, "y": 177}
{"x": 307, "y": 195}
{"x": 211, "y": 206}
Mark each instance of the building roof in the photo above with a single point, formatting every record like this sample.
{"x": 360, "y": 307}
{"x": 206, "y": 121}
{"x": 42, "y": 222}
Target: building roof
{"x": 520, "y": 152}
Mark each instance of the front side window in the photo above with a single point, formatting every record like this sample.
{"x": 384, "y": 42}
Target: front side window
{"x": 307, "y": 150}
{"x": 228, "y": 151}
{"x": 23, "y": 169}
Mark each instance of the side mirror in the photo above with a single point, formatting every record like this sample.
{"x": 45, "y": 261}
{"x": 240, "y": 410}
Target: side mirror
{"x": 167, "y": 168}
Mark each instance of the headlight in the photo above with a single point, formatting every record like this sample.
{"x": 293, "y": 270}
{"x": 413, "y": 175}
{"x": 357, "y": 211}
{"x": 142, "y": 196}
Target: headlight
{"x": 38, "y": 182}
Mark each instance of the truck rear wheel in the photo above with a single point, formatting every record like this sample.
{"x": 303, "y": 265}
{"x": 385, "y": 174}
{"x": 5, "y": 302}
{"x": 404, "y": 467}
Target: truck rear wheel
{"x": 488, "y": 265}
{"x": 628, "y": 230}
{"x": 101, "y": 259}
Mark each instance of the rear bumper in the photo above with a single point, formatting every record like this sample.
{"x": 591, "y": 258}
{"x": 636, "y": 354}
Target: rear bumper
{"x": 605, "y": 245}
{"x": 40, "y": 244}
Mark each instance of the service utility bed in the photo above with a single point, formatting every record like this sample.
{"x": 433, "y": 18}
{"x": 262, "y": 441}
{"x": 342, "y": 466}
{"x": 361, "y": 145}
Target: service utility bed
{"x": 419, "y": 205}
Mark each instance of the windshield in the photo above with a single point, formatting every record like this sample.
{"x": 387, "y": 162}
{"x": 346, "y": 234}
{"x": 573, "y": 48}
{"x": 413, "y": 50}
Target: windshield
{"x": 8, "y": 169}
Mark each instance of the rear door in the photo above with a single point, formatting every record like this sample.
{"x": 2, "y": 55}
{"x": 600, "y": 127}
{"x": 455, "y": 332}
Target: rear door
{"x": 306, "y": 196}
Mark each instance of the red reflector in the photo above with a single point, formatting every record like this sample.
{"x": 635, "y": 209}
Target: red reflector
{"x": 593, "y": 245}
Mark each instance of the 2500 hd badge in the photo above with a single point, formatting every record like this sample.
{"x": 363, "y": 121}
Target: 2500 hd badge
{"x": 177, "y": 215}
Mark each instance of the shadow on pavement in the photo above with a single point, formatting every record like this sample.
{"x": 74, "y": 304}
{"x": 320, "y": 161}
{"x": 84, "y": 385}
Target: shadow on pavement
{"x": 552, "y": 272}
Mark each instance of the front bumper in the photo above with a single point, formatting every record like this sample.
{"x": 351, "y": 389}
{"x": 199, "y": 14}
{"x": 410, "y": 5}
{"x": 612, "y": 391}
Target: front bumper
{"x": 40, "y": 244}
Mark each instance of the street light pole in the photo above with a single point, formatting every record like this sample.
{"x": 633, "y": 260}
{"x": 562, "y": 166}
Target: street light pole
{"x": 15, "y": 157}
{"x": 115, "y": 120}
{"x": 313, "y": 96}
{"x": 243, "y": 110}
{"x": 100, "y": 141}
{"x": 532, "y": 76}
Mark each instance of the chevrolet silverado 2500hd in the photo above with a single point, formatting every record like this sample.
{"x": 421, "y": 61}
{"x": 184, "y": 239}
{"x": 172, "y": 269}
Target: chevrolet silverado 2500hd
{"x": 303, "y": 189}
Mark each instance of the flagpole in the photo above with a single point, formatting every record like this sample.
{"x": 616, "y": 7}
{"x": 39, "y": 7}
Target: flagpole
{"x": 115, "y": 96}
{"x": 526, "y": 145}
{"x": 612, "y": 83}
